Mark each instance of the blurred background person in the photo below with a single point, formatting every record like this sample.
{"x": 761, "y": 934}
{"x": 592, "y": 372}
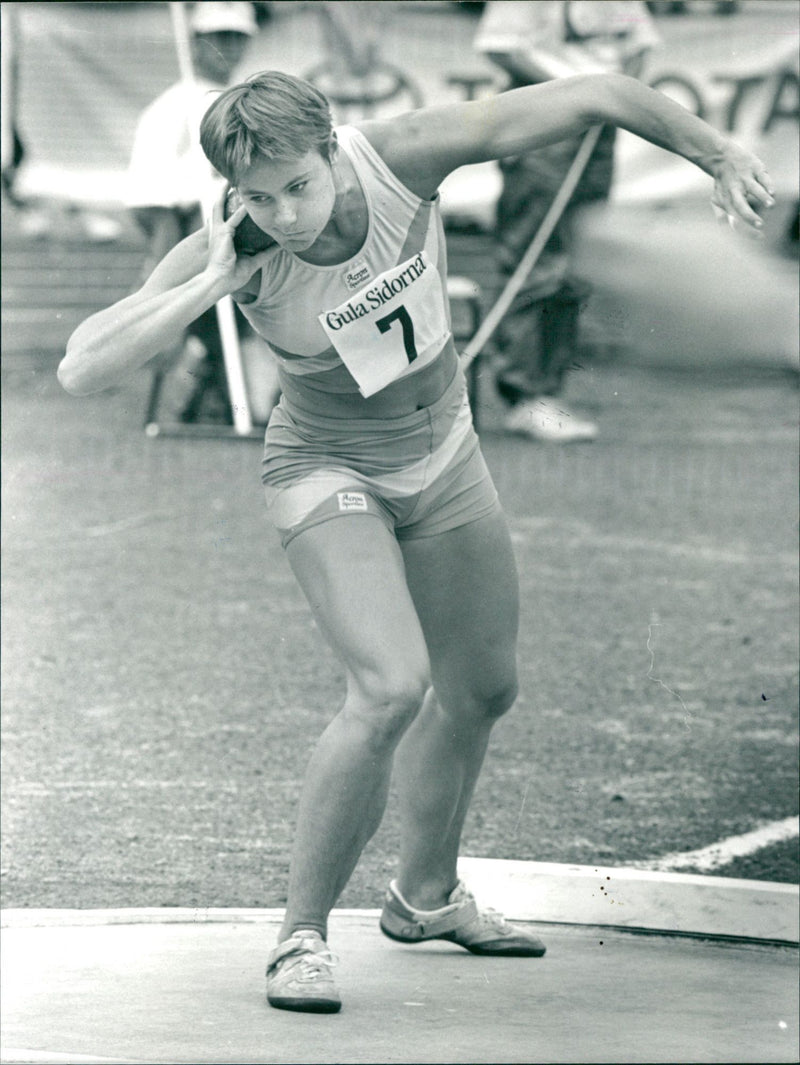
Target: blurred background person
{"x": 169, "y": 177}
{"x": 34, "y": 217}
{"x": 354, "y": 75}
{"x": 538, "y": 339}
{"x": 13, "y": 148}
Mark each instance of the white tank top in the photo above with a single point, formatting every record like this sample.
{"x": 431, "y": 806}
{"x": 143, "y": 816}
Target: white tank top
{"x": 384, "y": 313}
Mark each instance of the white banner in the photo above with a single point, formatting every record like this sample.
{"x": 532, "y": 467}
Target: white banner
{"x": 87, "y": 70}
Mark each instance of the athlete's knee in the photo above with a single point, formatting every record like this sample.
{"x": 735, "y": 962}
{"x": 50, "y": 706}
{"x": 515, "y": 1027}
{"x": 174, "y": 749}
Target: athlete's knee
{"x": 492, "y": 700}
{"x": 385, "y": 705}
{"x": 499, "y": 698}
{"x": 489, "y": 696}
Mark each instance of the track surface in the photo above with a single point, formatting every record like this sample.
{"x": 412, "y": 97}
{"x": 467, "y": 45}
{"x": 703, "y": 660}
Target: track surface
{"x": 164, "y": 682}
{"x": 193, "y": 992}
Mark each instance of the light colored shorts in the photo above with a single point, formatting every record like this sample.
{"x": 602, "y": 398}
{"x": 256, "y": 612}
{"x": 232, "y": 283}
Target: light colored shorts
{"x": 421, "y": 474}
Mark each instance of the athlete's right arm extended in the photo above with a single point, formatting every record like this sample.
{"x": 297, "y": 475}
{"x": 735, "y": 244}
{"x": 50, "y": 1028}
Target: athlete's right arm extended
{"x": 192, "y": 277}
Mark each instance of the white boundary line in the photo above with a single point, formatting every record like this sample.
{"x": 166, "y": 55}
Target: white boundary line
{"x": 643, "y": 896}
{"x": 65, "y": 918}
{"x": 637, "y": 899}
{"x": 50, "y": 1057}
{"x": 716, "y": 855}
{"x": 540, "y": 892}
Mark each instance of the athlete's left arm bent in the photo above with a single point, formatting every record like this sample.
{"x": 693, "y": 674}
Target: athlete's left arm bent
{"x": 423, "y": 147}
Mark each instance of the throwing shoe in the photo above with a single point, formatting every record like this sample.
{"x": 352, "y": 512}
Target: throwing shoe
{"x": 461, "y": 922}
{"x": 299, "y": 975}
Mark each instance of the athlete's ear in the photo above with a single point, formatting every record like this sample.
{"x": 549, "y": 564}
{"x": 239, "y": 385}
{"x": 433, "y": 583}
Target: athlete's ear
{"x": 333, "y": 146}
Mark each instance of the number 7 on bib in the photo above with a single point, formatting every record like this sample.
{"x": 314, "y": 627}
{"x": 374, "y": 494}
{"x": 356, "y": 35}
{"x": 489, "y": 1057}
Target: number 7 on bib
{"x": 395, "y": 325}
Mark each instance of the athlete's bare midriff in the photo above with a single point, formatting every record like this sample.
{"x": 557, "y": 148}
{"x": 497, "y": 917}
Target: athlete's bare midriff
{"x": 334, "y": 393}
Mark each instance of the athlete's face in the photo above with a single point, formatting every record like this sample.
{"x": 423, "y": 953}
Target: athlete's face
{"x": 291, "y": 199}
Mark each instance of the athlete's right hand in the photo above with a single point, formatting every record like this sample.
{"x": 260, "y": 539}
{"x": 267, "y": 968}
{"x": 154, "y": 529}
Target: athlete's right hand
{"x": 231, "y": 270}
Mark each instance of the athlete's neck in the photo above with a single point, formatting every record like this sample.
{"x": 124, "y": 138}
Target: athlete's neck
{"x": 348, "y": 224}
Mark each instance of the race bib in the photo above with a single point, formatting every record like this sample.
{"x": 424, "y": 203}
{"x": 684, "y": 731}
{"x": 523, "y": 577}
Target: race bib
{"x": 394, "y": 325}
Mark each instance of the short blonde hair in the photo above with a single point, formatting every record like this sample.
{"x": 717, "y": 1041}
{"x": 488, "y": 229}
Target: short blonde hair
{"x": 272, "y": 115}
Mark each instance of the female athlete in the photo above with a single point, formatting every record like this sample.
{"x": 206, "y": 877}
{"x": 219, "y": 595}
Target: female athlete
{"x": 373, "y": 472}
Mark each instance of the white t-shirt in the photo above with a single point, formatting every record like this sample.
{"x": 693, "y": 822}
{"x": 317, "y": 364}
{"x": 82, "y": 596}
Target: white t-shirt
{"x": 167, "y": 166}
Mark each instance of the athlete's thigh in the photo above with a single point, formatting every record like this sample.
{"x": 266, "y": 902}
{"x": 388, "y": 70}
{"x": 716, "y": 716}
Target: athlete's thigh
{"x": 353, "y": 576}
{"x": 465, "y": 588}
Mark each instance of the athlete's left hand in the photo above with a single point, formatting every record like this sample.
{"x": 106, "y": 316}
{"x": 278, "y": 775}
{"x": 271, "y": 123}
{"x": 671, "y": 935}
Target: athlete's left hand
{"x": 742, "y": 186}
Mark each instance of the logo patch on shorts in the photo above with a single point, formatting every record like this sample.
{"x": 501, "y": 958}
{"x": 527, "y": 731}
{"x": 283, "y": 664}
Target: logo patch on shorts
{"x": 352, "y": 501}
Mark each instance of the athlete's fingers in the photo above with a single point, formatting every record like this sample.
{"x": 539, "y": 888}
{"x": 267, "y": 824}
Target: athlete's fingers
{"x": 737, "y": 204}
{"x": 236, "y": 217}
{"x": 761, "y": 174}
{"x": 743, "y": 209}
{"x": 720, "y": 213}
{"x": 247, "y": 265}
{"x": 720, "y": 206}
{"x": 218, "y": 208}
{"x": 759, "y": 188}
{"x": 219, "y": 212}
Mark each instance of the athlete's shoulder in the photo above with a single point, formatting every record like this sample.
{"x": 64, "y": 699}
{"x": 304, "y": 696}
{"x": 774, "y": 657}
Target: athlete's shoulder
{"x": 403, "y": 150}
{"x": 380, "y": 133}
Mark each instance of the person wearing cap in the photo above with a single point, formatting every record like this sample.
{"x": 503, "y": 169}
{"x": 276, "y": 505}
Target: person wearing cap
{"x": 169, "y": 176}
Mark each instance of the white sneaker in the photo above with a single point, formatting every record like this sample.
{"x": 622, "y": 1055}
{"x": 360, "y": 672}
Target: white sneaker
{"x": 548, "y": 419}
{"x": 459, "y": 921}
{"x": 299, "y": 975}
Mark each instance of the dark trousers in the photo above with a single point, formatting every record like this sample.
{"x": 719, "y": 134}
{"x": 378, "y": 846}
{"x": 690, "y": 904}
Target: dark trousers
{"x": 538, "y": 338}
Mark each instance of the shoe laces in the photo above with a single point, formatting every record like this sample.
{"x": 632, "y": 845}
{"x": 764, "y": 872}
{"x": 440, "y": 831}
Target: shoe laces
{"x": 487, "y": 919}
{"x": 492, "y": 921}
{"x": 310, "y": 964}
